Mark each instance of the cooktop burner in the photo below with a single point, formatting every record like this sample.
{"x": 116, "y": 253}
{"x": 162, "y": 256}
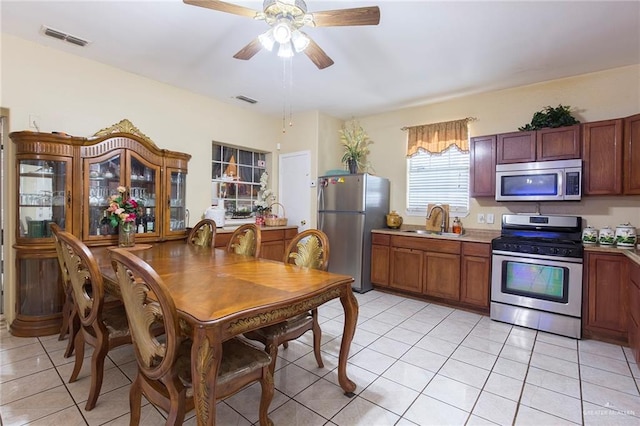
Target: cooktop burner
{"x": 544, "y": 235}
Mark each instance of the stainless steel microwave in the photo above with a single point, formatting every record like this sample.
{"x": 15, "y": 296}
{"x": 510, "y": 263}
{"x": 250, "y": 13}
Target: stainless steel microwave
{"x": 539, "y": 181}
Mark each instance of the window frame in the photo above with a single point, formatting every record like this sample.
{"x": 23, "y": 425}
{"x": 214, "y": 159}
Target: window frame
{"x": 457, "y": 210}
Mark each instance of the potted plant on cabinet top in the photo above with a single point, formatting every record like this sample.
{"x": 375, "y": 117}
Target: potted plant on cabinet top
{"x": 551, "y": 117}
{"x": 356, "y": 146}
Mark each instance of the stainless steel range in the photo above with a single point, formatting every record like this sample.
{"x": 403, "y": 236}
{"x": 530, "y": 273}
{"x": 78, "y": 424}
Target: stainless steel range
{"x": 536, "y": 279}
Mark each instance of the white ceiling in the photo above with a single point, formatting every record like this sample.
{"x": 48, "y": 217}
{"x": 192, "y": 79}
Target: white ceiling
{"x": 422, "y": 51}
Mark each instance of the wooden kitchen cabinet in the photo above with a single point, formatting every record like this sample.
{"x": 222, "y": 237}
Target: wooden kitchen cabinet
{"x": 442, "y": 275}
{"x": 482, "y": 166}
{"x": 632, "y": 155}
{"x": 562, "y": 143}
{"x": 68, "y": 180}
{"x": 274, "y": 241}
{"x": 475, "y": 271}
{"x": 602, "y": 150}
{"x": 605, "y": 296}
{"x": 634, "y": 308}
{"x": 406, "y": 269}
{"x": 380, "y": 259}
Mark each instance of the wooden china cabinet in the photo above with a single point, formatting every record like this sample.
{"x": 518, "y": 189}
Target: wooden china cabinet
{"x": 68, "y": 180}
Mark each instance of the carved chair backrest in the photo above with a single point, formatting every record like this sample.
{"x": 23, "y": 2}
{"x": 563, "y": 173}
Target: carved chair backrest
{"x": 203, "y": 234}
{"x": 136, "y": 278}
{"x": 246, "y": 240}
{"x": 85, "y": 278}
{"x": 64, "y": 272}
{"x": 310, "y": 249}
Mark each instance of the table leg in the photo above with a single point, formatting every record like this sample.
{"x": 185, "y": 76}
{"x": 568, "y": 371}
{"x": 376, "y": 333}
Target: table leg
{"x": 205, "y": 361}
{"x": 350, "y": 306}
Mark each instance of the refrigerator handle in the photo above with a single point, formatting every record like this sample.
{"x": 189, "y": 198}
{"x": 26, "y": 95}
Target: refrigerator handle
{"x": 320, "y": 206}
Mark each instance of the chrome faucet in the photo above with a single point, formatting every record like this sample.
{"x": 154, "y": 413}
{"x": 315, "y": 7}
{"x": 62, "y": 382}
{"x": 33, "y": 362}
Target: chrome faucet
{"x": 444, "y": 215}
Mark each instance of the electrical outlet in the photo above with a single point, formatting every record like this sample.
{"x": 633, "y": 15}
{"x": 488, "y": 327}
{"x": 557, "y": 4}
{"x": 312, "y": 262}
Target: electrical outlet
{"x": 34, "y": 122}
{"x": 490, "y": 218}
{"x": 481, "y": 218}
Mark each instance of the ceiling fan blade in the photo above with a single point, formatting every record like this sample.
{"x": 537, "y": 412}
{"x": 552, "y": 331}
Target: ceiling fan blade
{"x": 223, "y": 6}
{"x": 317, "y": 55}
{"x": 249, "y": 50}
{"x": 343, "y": 17}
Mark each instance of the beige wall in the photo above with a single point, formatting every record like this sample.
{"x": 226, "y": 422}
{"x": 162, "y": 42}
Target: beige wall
{"x": 598, "y": 96}
{"x": 80, "y": 97}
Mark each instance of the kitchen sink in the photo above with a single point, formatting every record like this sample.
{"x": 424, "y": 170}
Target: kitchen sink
{"x": 426, "y": 232}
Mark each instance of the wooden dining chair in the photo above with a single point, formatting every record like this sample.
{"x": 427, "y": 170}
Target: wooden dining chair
{"x": 70, "y": 321}
{"x": 246, "y": 240}
{"x": 308, "y": 249}
{"x": 164, "y": 368}
{"x": 103, "y": 329}
{"x": 203, "y": 234}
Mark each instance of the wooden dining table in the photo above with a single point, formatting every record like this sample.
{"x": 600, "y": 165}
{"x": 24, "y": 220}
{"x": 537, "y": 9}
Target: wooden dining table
{"x": 222, "y": 295}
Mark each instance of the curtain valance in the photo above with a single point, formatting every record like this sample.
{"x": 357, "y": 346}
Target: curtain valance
{"x": 437, "y": 137}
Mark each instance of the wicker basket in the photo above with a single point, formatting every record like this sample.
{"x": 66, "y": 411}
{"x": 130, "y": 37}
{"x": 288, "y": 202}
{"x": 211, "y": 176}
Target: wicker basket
{"x": 273, "y": 219}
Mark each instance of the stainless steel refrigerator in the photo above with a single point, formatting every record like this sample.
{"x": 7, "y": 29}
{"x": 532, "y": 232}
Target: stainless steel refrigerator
{"x": 349, "y": 207}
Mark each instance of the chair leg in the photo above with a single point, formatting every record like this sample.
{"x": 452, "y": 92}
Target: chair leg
{"x": 97, "y": 374}
{"x": 266, "y": 382}
{"x": 317, "y": 338}
{"x": 177, "y": 406}
{"x": 271, "y": 348}
{"x": 67, "y": 307}
{"x": 135, "y": 401}
{"x": 74, "y": 326}
{"x": 79, "y": 349}
{"x": 285, "y": 345}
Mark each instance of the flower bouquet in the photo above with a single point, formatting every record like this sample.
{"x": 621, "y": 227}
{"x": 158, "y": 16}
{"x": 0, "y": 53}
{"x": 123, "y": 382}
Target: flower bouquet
{"x": 122, "y": 212}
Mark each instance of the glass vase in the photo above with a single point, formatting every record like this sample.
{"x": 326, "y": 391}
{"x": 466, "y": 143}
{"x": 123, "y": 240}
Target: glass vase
{"x": 127, "y": 234}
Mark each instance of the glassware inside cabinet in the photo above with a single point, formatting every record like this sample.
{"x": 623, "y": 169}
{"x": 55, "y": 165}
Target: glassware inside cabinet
{"x": 177, "y": 201}
{"x": 41, "y": 196}
{"x": 143, "y": 187}
{"x": 104, "y": 180}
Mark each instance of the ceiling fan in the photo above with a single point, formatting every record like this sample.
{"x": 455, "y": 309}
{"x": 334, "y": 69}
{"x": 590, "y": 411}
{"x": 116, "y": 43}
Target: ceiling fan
{"x": 285, "y": 19}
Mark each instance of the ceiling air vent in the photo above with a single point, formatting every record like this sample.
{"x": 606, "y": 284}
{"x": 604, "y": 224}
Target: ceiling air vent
{"x": 64, "y": 36}
{"x": 246, "y": 99}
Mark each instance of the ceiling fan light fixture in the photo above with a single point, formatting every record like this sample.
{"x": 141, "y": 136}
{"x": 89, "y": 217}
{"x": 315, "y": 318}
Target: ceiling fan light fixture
{"x": 300, "y": 41}
{"x": 282, "y": 32}
{"x": 267, "y": 40}
{"x": 285, "y": 50}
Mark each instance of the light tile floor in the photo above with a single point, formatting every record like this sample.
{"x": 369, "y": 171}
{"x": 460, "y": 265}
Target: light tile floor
{"x": 415, "y": 363}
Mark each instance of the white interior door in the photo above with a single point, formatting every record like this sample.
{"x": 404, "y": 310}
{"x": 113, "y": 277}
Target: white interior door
{"x": 294, "y": 186}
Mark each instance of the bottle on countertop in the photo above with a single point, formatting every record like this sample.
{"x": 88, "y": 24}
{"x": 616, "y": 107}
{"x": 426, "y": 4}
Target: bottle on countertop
{"x": 457, "y": 226}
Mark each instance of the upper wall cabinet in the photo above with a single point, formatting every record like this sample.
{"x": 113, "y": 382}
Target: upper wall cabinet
{"x": 482, "y": 166}
{"x": 562, "y": 143}
{"x": 632, "y": 155}
{"x": 611, "y": 148}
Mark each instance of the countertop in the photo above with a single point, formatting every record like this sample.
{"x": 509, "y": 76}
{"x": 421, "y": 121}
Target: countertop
{"x": 469, "y": 235}
{"x": 485, "y": 236}
{"x": 632, "y": 253}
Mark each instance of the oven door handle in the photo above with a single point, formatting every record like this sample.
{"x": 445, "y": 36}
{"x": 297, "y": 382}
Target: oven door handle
{"x": 538, "y": 256}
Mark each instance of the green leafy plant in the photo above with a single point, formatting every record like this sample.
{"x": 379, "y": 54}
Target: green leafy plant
{"x": 551, "y": 117}
{"x": 356, "y": 144}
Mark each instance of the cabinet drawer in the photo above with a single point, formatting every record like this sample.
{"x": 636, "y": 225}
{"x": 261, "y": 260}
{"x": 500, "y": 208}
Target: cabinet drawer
{"x": 426, "y": 244}
{"x": 382, "y": 239}
{"x": 276, "y": 235}
{"x": 476, "y": 249}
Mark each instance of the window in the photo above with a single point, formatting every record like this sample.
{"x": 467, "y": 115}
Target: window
{"x": 438, "y": 178}
{"x": 235, "y": 177}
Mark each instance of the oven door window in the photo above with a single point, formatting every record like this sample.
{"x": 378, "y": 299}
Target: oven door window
{"x": 530, "y": 185}
{"x": 544, "y": 282}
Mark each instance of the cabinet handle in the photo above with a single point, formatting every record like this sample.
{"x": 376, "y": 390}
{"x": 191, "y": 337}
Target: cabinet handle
{"x": 69, "y": 199}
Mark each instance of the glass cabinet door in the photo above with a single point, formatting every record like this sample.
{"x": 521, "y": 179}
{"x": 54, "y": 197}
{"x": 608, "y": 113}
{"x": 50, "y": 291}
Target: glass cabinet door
{"x": 44, "y": 196}
{"x": 103, "y": 179}
{"x": 177, "y": 201}
{"x": 144, "y": 190}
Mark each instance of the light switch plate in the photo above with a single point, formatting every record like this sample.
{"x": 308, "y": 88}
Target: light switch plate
{"x": 481, "y": 218}
{"x": 490, "y": 218}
